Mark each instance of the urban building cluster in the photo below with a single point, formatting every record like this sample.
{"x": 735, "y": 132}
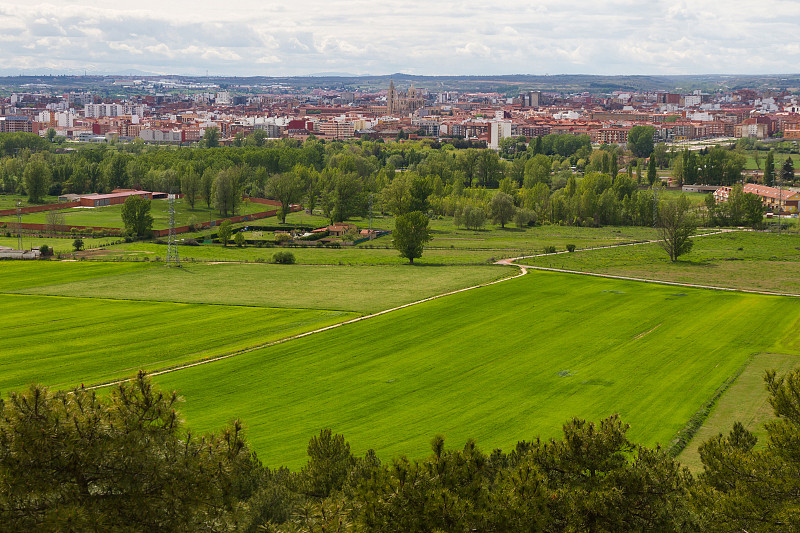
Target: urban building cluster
{"x": 181, "y": 113}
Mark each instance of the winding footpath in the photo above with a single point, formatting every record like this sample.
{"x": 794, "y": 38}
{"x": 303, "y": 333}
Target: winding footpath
{"x": 522, "y": 271}
{"x": 512, "y": 261}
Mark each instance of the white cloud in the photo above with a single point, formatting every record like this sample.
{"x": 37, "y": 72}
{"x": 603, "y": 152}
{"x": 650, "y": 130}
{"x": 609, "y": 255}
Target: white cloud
{"x": 446, "y": 37}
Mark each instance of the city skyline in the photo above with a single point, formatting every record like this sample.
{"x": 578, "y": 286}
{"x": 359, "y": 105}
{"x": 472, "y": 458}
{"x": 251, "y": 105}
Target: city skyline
{"x": 361, "y": 38}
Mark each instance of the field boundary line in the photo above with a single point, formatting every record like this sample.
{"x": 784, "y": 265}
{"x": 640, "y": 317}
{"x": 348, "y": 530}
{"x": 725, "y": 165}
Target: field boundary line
{"x": 522, "y": 271}
{"x": 510, "y": 260}
{"x": 661, "y": 282}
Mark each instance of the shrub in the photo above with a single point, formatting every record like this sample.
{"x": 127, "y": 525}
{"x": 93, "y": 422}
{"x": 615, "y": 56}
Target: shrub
{"x": 315, "y": 236}
{"x": 524, "y": 217}
{"x": 570, "y": 247}
{"x": 190, "y": 242}
{"x": 45, "y": 251}
{"x": 281, "y": 238}
{"x": 283, "y": 258}
{"x": 77, "y": 244}
{"x": 550, "y": 249}
{"x": 239, "y": 239}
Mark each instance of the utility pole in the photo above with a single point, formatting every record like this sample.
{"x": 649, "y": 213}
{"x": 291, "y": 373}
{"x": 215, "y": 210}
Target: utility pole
{"x": 172, "y": 246}
{"x": 780, "y": 197}
{"x": 655, "y": 207}
{"x": 370, "y": 211}
{"x": 19, "y": 225}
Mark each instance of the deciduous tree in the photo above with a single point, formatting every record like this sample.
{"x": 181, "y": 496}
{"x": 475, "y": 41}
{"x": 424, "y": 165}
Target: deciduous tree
{"x": 190, "y": 186}
{"x": 410, "y": 234}
{"x": 676, "y": 224}
{"x": 136, "y": 216}
{"x": 287, "y": 188}
{"x": 226, "y": 191}
{"x": 502, "y": 208}
{"x": 640, "y": 140}
{"x": 36, "y": 177}
{"x": 224, "y": 232}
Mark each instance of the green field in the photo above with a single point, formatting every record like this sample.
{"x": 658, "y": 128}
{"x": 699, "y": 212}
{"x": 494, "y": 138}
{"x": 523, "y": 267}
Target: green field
{"x": 779, "y": 159}
{"x": 357, "y": 289}
{"x": 9, "y": 201}
{"x": 450, "y": 245}
{"x": 59, "y": 245}
{"x": 111, "y": 216}
{"x": 502, "y": 363}
{"x": 63, "y": 342}
{"x": 745, "y": 402}
{"x": 743, "y": 260}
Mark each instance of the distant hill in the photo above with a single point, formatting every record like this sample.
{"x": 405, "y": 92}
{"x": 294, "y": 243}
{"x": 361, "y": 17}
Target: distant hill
{"x": 505, "y": 84}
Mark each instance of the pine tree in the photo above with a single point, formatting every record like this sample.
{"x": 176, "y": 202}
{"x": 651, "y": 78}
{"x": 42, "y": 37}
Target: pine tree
{"x": 769, "y": 169}
{"x": 651, "y": 171}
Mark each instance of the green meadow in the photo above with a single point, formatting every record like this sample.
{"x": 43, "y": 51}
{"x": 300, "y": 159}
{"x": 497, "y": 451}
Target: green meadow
{"x": 111, "y": 216}
{"x": 63, "y": 342}
{"x": 502, "y": 363}
{"x": 740, "y": 260}
{"x": 357, "y": 289}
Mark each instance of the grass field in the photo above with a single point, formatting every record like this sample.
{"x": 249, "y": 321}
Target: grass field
{"x": 450, "y": 245}
{"x": 503, "y": 363}
{"x": 744, "y": 260}
{"x": 111, "y": 217}
{"x": 779, "y": 159}
{"x": 59, "y": 245}
{"x": 9, "y": 201}
{"x": 745, "y": 402}
{"x": 357, "y": 289}
{"x": 67, "y": 341}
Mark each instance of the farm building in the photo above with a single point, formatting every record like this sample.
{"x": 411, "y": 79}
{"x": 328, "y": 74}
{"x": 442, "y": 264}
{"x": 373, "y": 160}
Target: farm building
{"x": 10, "y": 253}
{"x": 117, "y": 196}
{"x": 337, "y": 230}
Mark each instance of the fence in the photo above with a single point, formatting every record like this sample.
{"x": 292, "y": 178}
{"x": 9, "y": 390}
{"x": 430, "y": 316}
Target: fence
{"x": 38, "y": 208}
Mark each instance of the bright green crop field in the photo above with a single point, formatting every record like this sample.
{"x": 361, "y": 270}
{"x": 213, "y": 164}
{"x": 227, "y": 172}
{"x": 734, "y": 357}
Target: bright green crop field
{"x": 502, "y": 363}
{"x": 64, "y": 342}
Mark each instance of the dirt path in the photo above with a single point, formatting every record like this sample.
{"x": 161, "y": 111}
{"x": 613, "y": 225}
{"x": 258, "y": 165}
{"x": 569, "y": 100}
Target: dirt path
{"x": 512, "y": 261}
{"x": 522, "y": 271}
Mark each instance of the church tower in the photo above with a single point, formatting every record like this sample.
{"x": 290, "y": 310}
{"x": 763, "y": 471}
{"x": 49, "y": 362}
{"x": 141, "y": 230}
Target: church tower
{"x": 391, "y": 99}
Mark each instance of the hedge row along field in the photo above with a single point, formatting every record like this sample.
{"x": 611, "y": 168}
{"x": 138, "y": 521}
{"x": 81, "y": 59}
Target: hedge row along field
{"x": 503, "y": 363}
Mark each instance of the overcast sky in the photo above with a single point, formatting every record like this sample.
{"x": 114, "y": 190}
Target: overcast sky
{"x": 269, "y": 38}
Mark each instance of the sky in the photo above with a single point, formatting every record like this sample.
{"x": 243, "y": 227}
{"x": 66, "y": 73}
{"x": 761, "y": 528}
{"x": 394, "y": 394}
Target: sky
{"x": 426, "y": 37}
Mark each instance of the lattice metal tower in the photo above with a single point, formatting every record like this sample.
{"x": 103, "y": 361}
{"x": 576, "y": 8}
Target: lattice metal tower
{"x": 172, "y": 245}
{"x": 19, "y": 225}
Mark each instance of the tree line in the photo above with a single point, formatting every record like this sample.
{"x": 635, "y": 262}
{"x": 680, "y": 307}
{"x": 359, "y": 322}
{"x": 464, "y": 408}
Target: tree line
{"x": 79, "y": 461}
{"x": 346, "y": 179}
